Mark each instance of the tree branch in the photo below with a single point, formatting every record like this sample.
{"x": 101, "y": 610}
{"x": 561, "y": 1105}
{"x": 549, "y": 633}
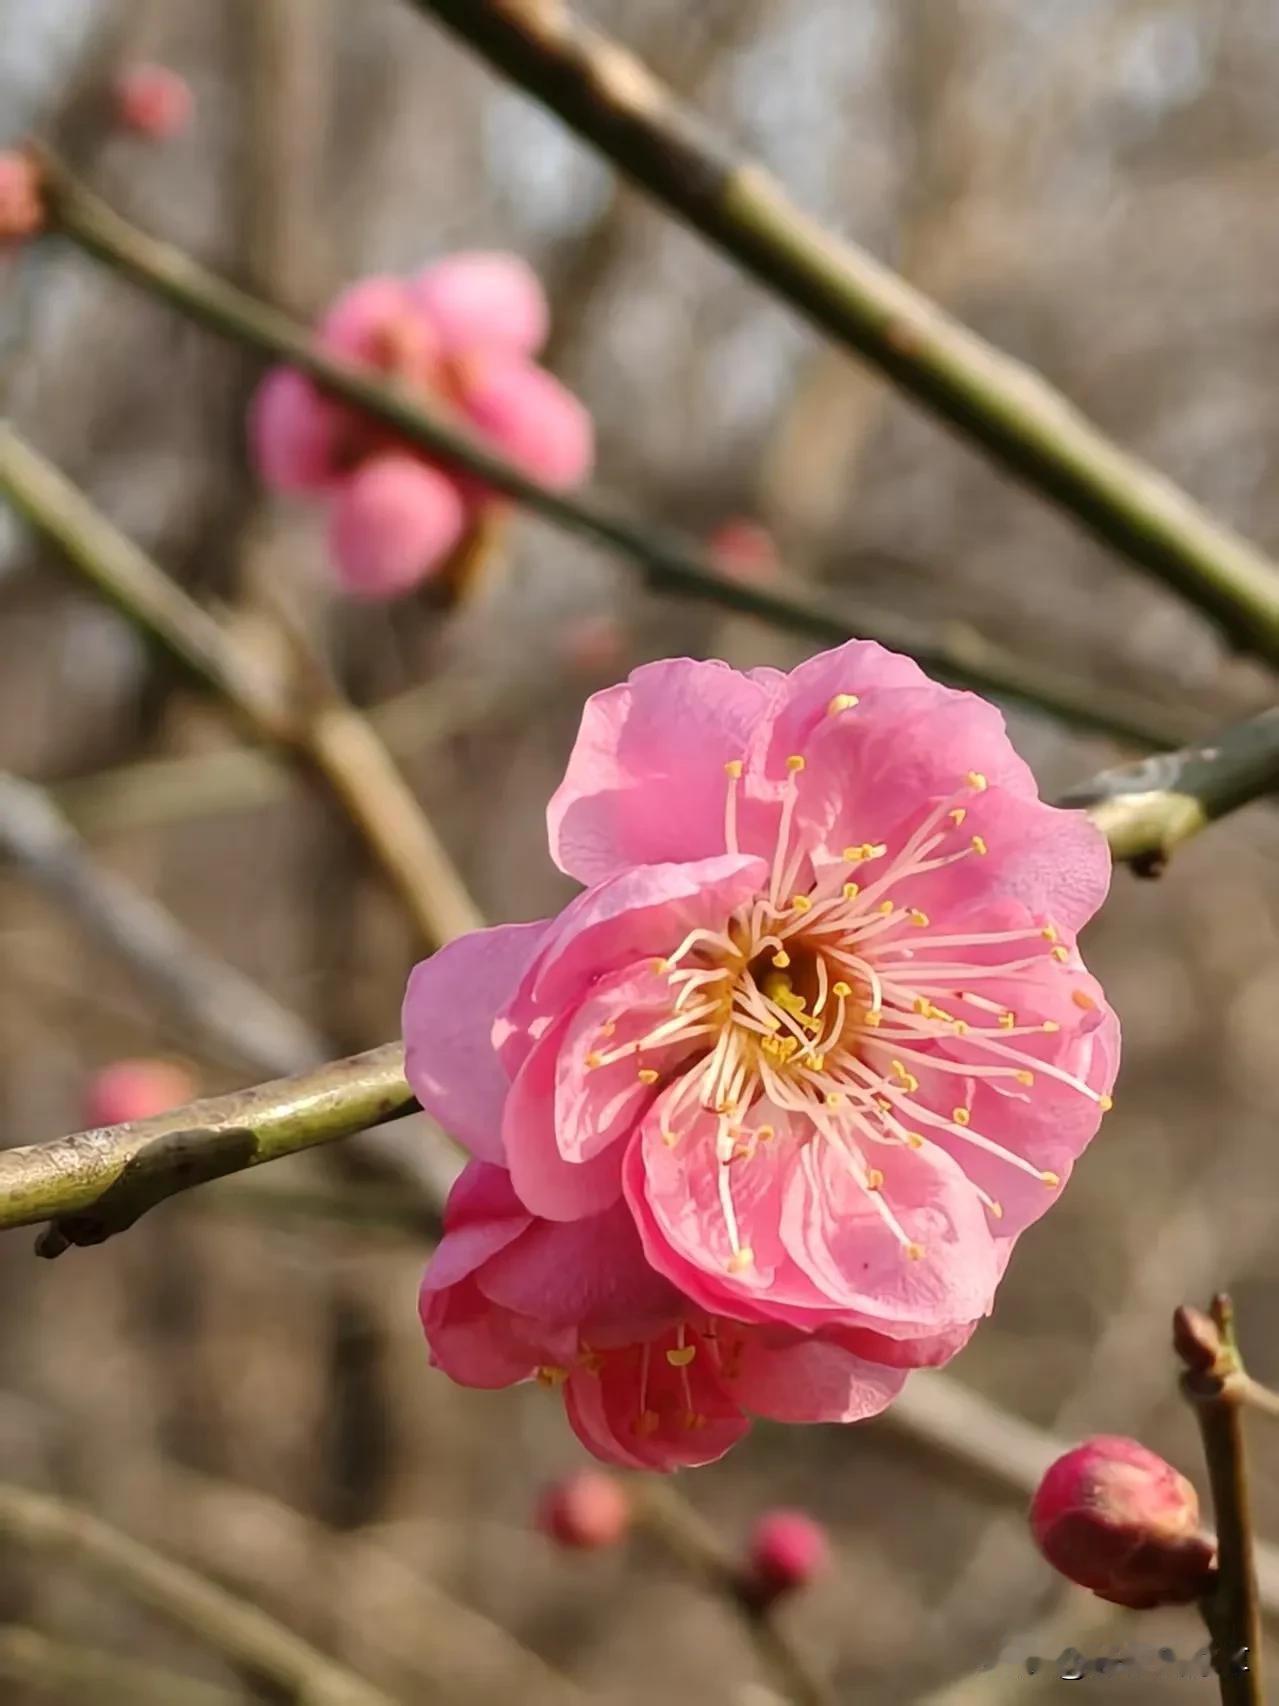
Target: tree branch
{"x": 98, "y": 1182}
{"x": 669, "y": 564}
{"x": 61, "y": 1670}
{"x": 234, "y": 1627}
{"x": 332, "y": 738}
{"x": 603, "y": 92}
{"x": 1147, "y": 809}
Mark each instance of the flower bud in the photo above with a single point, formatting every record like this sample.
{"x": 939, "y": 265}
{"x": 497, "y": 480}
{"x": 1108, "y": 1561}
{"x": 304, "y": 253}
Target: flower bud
{"x": 152, "y": 101}
{"x": 787, "y": 1550}
{"x": 1115, "y": 1518}
{"x": 136, "y": 1089}
{"x": 585, "y": 1510}
{"x": 21, "y": 204}
{"x": 744, "y": 549}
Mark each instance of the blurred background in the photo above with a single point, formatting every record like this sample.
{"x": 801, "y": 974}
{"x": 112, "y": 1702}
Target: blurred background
{"x": 241, "y": 1379}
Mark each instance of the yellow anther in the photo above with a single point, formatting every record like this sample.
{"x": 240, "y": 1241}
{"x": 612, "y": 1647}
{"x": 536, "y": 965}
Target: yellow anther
{"x": 841, "y": 989}
{"x": 960, "y": 1027}
{"x": 692, "y": 1420}
{"x": 996, "y": 1209}
{"x": 912, "y": 1140}
{"x": 834, "y": 1098}
{"x": 1052, "y": 1180}
{"x": 733, "y": 768}
{"x": 593, "y": 1060}
{"x": 961, "y": 1116}
{"x": 957, "y": 816}
{"x": 1007, "y": 1021}
{"x": 670, "y": 1138}
{"x": 897, "y": 1069}
{"x": 551, "y": 1374}
{"x": 740, "y": 1260}
{"x": 887, "y": 906}
{"x": 819, "y": 1063}
{"x": 1105, "y": 1103}
{"x": 609, "y": 1029}
{"x": 918, "y": 919}
{"x": 1049, "y": 932}
{"x": 679, "y": 1356}
{"x": 648, "y": 1075}
{"x": 590, "y": 1360}
{"x": 1050, "y": 1025}
{"x": 1026, "y": 1078}
{"x": 795, "y": 762}
{"x": 765, "y": 1133}
{"x": 800, "y": 903}
{"x": 923, "y": 1006}
{"x": 1061, "y": 955}
{"x": 647, "y": 1422}
{"x": 851, "y": 891}
{"x": 661, "y": 967}
{"x": 914, "y": 1252}
{"x": 874, "y": 1179}
{"x": 841, "y": 702}
{"x": 1081, "y": 998}
{"x": 978, "y": 844}
{"x": 872, "y": 1019}
{"x": 781, "y": 959}
{"x": 977, "y": 781}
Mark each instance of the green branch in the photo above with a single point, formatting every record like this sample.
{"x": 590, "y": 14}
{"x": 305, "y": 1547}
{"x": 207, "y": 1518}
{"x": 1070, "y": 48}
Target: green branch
{"x": 609, "y": 98}
{"x": 1147, "y": 809}
{"x": 669, "y": 563}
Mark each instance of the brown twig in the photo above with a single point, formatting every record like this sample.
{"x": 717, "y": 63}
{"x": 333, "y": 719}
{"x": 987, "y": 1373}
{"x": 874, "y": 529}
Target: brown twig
{"x": 1213, "y": 1384}
{"x": 234, "y": 1627}
{"x": 61, "y": 1670}
{"x": 660, "y": 1512}
{"x": 604, "y": 93}
{"x": 331, "y": 737}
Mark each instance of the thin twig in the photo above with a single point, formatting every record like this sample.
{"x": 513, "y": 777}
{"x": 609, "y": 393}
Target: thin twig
{"x": 1257, "y": 1397}
{"x": 225, "y": 1006}
{"x": 332, "y": 737}
{"x": 670, "y": 564}
{"x": 1209, "y": 1349}
{"x": 98, "y": 1182}
{"x": 680, "y": 1530}
{"x": 234, "y": 1627}
{"x": 1147, "y": 809}
{"x": 56, "y": 1669}
{"x": 604, "y": 93}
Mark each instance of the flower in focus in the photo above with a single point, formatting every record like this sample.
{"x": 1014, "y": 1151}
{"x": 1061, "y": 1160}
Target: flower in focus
{"x": 21, "y": 204}
{"x": 1112, "y": 1516}
{"x": 787, "y": 1550}
{"x": 134, "y": 1090}
{"x": 586, "y": 1510}
{"x": 152, "y": 101}
{"x": 462, "y": 333}
{"x": 815, "y": 1039}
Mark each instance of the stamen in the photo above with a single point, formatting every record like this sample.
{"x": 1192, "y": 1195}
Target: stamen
{"x": 841, "y": 702}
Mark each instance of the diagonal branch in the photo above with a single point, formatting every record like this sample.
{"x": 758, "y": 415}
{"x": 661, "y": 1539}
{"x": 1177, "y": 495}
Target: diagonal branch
{"x": 604, "y": 93}
{"x": 333, "y": 739}
{"x": 669, "y": 563}
{"x": 1149, "y": 808}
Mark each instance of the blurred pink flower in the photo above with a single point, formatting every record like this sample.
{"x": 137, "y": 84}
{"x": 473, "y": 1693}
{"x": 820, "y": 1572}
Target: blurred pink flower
{"x": 787, "y": 1550}
{"x": 134, "y": 1090}
{"x": 586, "y": 1510}
{"x": 744, "y": 549}
{"x": 393, "y": 514}
{"x": 818, "y": 1021}
{"x": 461, "y": 333}
{"x": 1112, "y": 1516}
{"x": 21, "y": 204}
{"x": 153, "y": 101}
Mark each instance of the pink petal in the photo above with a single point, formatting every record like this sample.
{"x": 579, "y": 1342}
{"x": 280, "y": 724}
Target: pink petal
{"x": 646, "y": 782}
{"x": 487, "y": 299}
{"x": 294, "y": 434}
{"x": 638, "y": 1409}
{"x": 450, "y": 1060}
{"x": 377, "y": 323}
{"x": 393, "y": 522}
{"x": 859, "y": 667}
{"x": 527, "y": 415}
{"x": 478, "y": 1345}
{"x": 482, "y": 1216}
{"x": 545, "y": 1181}
{"x": 808, "y": 1380}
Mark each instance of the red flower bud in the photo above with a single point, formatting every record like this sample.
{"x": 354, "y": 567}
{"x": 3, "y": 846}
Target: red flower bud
{"x": 21, "y": 204}
{"x": 585, "y": 1510}
{"x": 1115, "y": 1518}
{"x": 744, "y": 549}
{"x": 152, "y": 101}
{"x": 787, "y": 1550}
{"x": 134, "y": 1090}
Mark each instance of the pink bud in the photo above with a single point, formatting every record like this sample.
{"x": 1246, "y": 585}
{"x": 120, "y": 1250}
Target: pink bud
{"x": 134, "y": 1090}
{"x": 585, "y": 1510}
{"x": 377, "y": 322}
{"x": 394, "y": 521}
{"x": 593, "y": 645}
{"x": 21, "y": 206}
{"x": 787, "y": 1550}
{"x": 153, "y": 101}
{"x": 744, "y": 549}
{"x": 483, "y": 300}
{"x": 295, "y": 434}
{"x": 528, "y": 415}
{"x": 1115, "y": 1518}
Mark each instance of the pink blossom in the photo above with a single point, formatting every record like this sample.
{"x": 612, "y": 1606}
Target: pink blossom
{"x": 744, "y": 549}
{"x": 21, "y": 202}
{"x": 392, "y": 522}
{"x": 134, "y": 1090}
{"x": 817, "y": 1024}
{"x": 153, "y": 101}
{"x": 460, "y": 335}
{"x": 586, "y": 1510}
{"x": 1112, "y": 1516}
{"x": 787, "y": 1550}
